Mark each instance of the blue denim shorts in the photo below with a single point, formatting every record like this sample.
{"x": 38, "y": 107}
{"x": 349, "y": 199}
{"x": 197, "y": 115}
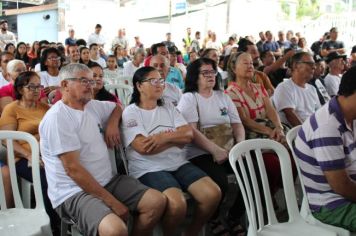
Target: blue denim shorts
{"x": 2, "y": 164}
{"x": 181, "y": 178}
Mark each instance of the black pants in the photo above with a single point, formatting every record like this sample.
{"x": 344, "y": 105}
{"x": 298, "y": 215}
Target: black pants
{"x": 218, "y": 173}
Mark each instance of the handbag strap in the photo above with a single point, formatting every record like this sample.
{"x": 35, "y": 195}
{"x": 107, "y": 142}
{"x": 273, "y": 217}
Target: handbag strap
{"x": 196, "y": 100}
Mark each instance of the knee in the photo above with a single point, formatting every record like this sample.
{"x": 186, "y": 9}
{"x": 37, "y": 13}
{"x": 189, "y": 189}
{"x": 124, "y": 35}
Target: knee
{"x": 177, "y": 207}
{"x": 112, "y": 225}
{"x": 153, "y": 205}
{"x": 211, "y": 195}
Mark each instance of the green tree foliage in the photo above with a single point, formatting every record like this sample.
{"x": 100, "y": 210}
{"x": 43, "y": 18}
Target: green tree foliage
{"x": 305, "y": 8}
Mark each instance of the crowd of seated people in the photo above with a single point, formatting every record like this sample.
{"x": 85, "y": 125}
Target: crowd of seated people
{"x": 243, "y": 91}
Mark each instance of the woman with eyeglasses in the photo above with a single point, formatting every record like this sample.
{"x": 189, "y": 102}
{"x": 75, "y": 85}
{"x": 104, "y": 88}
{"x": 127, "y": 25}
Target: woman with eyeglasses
{"x": 204, "y": 105}
{"x": 50, "y": 66}
{"x": 7, "y": 92}
{"x": 25, "y": 114}
{"x": 154, "y": 134}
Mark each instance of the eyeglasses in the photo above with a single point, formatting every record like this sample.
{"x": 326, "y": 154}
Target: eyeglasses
{"x": 34, "y": 88}
{"x": 154, "y": 81}
{"x": 54, "y": 58}
{"x": 309, "y": 63}
{"x": 209, "y": 73}
{"x": 84, "y": 81}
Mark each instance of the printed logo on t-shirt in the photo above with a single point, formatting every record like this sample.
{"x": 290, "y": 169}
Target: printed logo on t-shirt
{"x": 131, "y": 123}
{"x": 223, "y": 111}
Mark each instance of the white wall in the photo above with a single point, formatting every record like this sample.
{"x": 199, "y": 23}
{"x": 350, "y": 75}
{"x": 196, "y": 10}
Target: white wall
{"x": 32, "y": 26}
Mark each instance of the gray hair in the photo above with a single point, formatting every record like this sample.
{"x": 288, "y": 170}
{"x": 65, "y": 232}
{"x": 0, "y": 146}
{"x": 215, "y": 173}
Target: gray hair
{"x": 158, "y": 56}
{"x": 71, "y": 70}
{"x": 12, "y": 64}
{"x": 139, "y": 51}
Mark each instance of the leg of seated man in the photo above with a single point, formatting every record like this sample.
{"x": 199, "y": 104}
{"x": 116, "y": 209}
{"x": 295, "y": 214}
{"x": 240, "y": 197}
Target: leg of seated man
{"x": 176, "y": 205}
{"x": 111, "y": 224}
{"x": 343, "y": 216}
{"x": 150, "y": 209}
{"x": 147, "y": 205}
{"x": 205, "y": 192}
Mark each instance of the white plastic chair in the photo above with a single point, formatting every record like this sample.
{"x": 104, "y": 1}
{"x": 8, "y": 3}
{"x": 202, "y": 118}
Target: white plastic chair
{"x": 250, "y": 190}
{"x": 122, "y": 91}
{"x": 305, "y": 210}
{"x": 18, "y": 220}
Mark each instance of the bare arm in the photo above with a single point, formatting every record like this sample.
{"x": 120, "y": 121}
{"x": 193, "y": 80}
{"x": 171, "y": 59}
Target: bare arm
{"x": 86, "y": 181}
{"x": 112, "y": 133}
{"x": 279, "y": 63}
{"x": 238, "y": 131}
{"x": 292, "y": 117}
{"x": 341, "y": 183}
{"x": 159, "y": 142}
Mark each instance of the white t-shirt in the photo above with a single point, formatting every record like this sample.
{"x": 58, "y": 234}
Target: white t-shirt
{"x": 64, "y": 129}
{"x": 130, "y": 69}
{"x": 304, "y": 101}
{"x": 37, "y": 67}
{"x": 100, "y": 61}
{"x": 3, "y": 81}
{"x": 137, "y": 121}
{"x": 96, "y": 38}
{"x": 171, "y": 93}
{"x": 332, "y": 83}
{"x": 48, "y": 80}
{"x": 215, "y": 110}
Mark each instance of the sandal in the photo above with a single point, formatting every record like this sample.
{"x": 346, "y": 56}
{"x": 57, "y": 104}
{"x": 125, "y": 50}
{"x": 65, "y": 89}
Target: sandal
{"x": 218, "y": 228}
{"x": 236, "y": 229}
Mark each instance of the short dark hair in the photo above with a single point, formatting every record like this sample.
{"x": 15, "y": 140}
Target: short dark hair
{"x": 21, "y": 81}
{"x": 264, "y": 54}
{"x": 42, "y": 42}
{"x": 44, "y": 57}
{"x": 347, "y": 85}
{"x": 243, "y": 44}
{"x": 92, "y": 45}
{"x": 193, "y": 71}
{"x": 298, "y": 57}
{"x": 207, "y": 51}
{"x": 155, "y": 47}
{"x": 81, "y": 42}
{"x": 98, "y": 26}
{"x": 138, "y": 77}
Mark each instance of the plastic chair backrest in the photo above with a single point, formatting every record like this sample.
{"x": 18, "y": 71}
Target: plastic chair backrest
{"x": 291, "y": 136}
{"x": 122, "y": 91}
{"x": 9, "y": 136}
{"x": 247, "y": 180}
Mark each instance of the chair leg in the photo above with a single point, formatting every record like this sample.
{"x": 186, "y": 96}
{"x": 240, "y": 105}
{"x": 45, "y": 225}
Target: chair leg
{"x": 26, "y": 193}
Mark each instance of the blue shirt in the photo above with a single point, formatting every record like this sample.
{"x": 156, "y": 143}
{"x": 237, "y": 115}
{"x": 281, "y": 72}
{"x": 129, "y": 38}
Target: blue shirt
{"x": 175, "y": 77}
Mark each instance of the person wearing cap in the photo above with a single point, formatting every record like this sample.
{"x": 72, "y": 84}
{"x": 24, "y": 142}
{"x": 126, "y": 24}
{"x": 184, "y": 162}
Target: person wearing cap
{"x": 96, "y": 37}
{"x": 325, "y": 147}
{"x": 5, "y": 35}
{"x": 317, "y": 80}
{"x": 335, "y": 62}
{"x": 295, "y": 99}
{"x": 332, "y": 45}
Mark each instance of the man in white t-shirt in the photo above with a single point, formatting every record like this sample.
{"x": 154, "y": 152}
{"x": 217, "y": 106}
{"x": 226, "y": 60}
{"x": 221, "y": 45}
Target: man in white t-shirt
{"x": 75, "y": 135}
{"x": 5, "y": 57}
{"x": 336, "y": 66}
{"x": 94, "y": 55}
{"x": 130, "y": 67}
{"x": 96, "y": 37}
{"x": 171, "y": 93}
{"x": 5, "y": 35}
{"x": 295, "y": 99}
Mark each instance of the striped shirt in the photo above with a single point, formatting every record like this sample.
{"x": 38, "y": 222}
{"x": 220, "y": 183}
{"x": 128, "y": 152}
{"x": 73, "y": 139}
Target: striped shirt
{"x": 325, "y": 143}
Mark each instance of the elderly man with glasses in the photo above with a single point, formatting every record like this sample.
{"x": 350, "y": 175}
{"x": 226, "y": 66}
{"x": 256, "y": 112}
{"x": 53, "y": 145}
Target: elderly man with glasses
{"x": 75, "y": 135}
{"x": 295, "y": 99}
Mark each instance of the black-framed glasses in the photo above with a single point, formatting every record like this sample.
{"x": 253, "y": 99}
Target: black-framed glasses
{"x": 209, "y": 73}
{"x": 84, "y": 81}
{"x": 33, "y": 87}
{"x": 154, "y": 81}
{"x": 309, "y": 63}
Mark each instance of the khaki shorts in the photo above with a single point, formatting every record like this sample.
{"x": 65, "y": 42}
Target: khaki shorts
{"x": 87, "y": 211}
